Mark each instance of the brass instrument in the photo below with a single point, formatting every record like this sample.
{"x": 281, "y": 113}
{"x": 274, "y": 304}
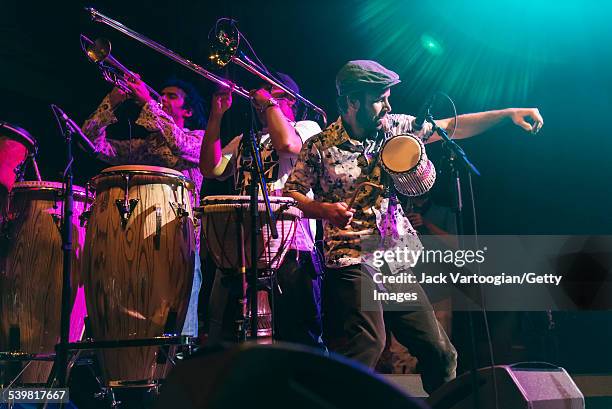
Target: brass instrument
{"x": 99, "y": 52}
{"x": 225, "y": 44}
{"x": 229, "y": 56}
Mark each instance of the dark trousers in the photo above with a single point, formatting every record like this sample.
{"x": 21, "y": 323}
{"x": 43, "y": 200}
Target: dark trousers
{"x": 296, "y": 309}
{"x": 361, "y": 335}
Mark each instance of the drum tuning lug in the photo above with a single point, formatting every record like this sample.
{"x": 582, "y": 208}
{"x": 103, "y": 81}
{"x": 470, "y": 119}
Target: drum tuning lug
{"x": 126, "y": 209}
{"x": 179, "y": 209}
{"x": 84, "y": 217}
{"x": 57, "y": 219}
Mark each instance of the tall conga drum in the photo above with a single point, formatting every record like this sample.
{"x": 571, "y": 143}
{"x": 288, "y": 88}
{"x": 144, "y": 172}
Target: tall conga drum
{"x": 138, "y": 266}
{"x": 31, "y": 263}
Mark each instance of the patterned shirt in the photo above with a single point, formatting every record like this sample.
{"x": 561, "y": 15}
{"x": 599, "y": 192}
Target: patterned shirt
{"x": 333, "y": 165}
{"x": 277, "y": 167}
{"x": 167, "y": 145}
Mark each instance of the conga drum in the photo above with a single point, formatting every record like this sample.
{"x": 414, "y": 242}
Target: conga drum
{"x": 31, "y": 263}
{"x": 404, "y": 158}
{"x": 138, "y": 266}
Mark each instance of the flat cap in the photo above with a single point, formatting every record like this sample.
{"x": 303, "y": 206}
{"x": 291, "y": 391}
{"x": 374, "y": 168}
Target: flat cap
{"x": 359, "y": 75}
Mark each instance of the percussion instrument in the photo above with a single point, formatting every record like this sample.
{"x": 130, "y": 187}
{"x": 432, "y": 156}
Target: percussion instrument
{"x": 227, "y": 231}
{"x": 15, "y": 146}
{"x": 403, "y": 157}
{"x": 31, "y": 272}
{"x": 138, "y": 266}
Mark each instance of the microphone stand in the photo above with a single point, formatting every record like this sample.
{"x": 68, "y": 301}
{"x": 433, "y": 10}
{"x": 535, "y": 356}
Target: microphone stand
{"x": 456, "y": 152}
{"x": 258, "y": 180}
{"x": 61, "y": 361}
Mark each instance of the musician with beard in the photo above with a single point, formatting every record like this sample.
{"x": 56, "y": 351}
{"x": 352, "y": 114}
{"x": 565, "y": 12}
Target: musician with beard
{"x": 333, "y": 164}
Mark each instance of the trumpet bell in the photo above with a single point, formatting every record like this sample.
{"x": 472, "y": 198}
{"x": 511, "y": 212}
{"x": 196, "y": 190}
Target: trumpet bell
{"x": 224, "y": 40}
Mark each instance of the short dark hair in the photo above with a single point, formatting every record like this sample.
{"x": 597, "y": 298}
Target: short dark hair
{"x": 342, "y": 100}
{"x": 193, "y": 101}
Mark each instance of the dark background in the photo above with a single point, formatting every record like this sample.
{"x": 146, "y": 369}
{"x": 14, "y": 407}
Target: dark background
{"x": 540, "y": 54}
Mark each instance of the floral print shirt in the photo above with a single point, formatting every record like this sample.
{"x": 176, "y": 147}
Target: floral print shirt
{"x": 167, "y": 145}
{"x": 333, "y": 165}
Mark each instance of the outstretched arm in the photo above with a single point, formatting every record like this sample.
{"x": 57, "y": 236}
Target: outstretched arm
{"x": 477, "y": 123}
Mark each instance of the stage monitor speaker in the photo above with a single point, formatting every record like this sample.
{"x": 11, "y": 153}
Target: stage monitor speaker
{"x": 276, "y": 376}
{"x": 529, "y": 385}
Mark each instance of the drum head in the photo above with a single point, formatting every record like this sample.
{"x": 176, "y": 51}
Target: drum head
{"x": 57, "y": 187}
{"x": 142, "y": 169}
{"x": 140, "y": 174}
{"x": 232, "y": 199}
{"x": 17, "y": 133}
{"x": 401, "y": 153}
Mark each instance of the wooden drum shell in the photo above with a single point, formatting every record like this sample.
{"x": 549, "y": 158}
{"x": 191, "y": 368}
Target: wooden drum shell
{"x": 138, "y": 278}
{"x": 31, "y": 263}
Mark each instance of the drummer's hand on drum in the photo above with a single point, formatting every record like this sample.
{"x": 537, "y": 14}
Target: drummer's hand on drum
{"x": 140, "y": 92}
{"x": 338, "y": 214}
{"x": 220, "y": 103}
{"x": 519, "y": 116}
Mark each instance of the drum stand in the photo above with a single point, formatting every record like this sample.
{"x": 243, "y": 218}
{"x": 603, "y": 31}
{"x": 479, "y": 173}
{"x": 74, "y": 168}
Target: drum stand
{"x": 58, "y": 377}
{"x": 251, "y": 160}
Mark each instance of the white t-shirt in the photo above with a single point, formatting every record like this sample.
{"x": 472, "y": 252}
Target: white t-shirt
{"x": 277, "y": 167}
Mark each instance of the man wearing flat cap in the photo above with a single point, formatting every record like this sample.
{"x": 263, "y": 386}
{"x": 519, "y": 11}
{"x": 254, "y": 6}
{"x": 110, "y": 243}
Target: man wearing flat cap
{"x": 341, "y": 165}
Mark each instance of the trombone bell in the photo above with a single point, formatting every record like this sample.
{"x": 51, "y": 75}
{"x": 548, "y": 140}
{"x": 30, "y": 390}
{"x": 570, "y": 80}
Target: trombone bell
{"x": 223, "y": 43}
{"x": 99, "y": 50}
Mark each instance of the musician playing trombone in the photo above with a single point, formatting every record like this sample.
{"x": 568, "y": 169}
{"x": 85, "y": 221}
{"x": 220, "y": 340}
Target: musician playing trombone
{"x": 332, "y": 164}
{"x": 297, "y": 312}
{"x": 175, "y": 125}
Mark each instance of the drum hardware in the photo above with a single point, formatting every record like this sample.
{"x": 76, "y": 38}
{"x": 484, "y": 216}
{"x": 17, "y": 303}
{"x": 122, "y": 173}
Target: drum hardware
{"x": 158, "y": 226}
{"x": 32, "y": 157}
{"x": 126, "y": 208}
{"x": 179, "y": 210}
{"x": 84, "y": 217}
{"x": 228, "y": 55}
{"x": 57, "y": 219}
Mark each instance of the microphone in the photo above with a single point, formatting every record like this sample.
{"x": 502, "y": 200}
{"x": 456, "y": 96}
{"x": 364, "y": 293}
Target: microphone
{"x": 424, "y": 113}
{"x": 84, "y": 141}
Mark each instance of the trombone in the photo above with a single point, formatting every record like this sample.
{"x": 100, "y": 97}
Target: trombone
{"x": 241, "y": 60}
{"x": 224, "y": 49}
{"x": 99, "y": 52}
